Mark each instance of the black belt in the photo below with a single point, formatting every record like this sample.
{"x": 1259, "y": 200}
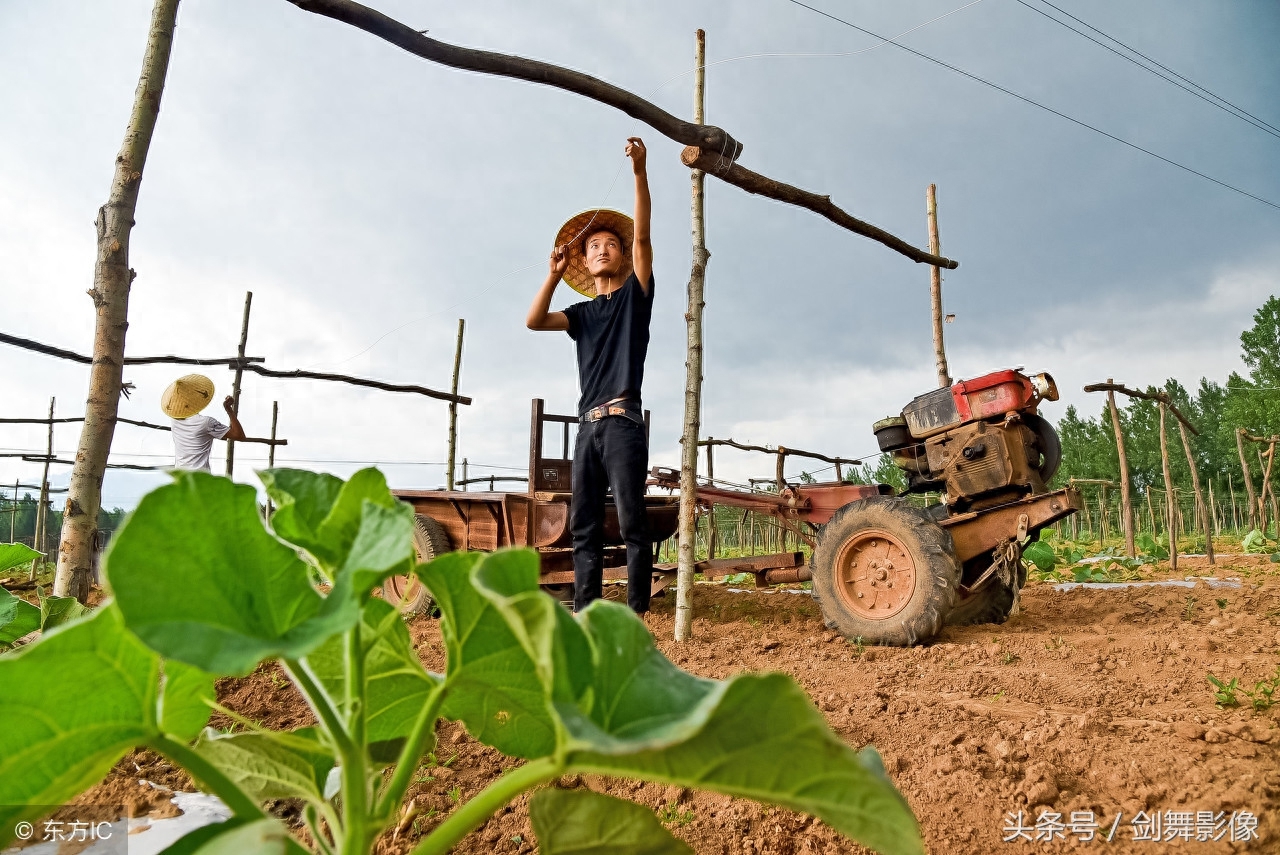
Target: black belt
{"x": 595, "y": 414}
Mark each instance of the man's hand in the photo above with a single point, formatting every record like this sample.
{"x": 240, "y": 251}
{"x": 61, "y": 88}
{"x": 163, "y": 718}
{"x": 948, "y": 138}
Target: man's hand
{"x": 229, "y": 404}
{"x": 638, "y": 154}
{"x": 559, "y": 262}
{"x": 236, "y": 431}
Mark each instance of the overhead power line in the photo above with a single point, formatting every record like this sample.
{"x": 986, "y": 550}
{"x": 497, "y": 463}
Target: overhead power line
{"x": 1035, "y": 103}
{"x": 1216, "y": 100}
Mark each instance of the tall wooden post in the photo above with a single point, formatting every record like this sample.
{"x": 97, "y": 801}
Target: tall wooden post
{"x": 453, "y": 408}
{"x": 13, "y": 512}
{"x": 693, "y": 372}
{"x": 271, "y": 449}
{"x": 1248, "y": 479}
{"x": 235, "y": 384}
{"x": 1235, "y": 514}
{"x": 1126, "y": 498}
{"x": 1213, "y": 512}
{"x": 1201, "y": 507}
{"x": 713, "y": 534}
{"x": 1171, "y": 510}
{"x": 1267, "y": 489}
{"x": 110, "y": 294}
{"x": 935, "y": 288}
{"x": 39, "y": 537}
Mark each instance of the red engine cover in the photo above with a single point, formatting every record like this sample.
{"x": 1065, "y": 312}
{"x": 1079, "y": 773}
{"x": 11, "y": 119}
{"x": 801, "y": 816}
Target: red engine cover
{"x": 992, "y": 394}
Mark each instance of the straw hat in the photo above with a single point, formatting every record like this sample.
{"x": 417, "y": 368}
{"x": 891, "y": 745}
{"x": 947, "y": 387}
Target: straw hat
{"x": 187, "y": 396}
{"x": 578, "y": 229}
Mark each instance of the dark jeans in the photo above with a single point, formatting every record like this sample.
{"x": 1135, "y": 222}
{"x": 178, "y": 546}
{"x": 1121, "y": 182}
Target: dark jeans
{"x": 611, "y": 452}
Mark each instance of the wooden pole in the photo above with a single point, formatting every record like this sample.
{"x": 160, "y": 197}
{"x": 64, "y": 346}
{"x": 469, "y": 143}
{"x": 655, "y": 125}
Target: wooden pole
{"x": 1151, "y": 513}
{"x": 1248, "y": 480}
{"x": 1201, "y": 507}
{"x": 271, "y": 449}
{"x": 935, "y": 288}
{"x": 13, "y": 512}
{"x": 235, "y": 384}
{"x": 38, "y": 541}
{"x": 1170, "y": 509}
{"x": 1267, "y": 488}
{"x": 1213, "y": 512}
{"x": 1126, "y": 498}
{"x": 464, "y": 473}
{"x": 779, "y": 479}
{"x": 1235, "y": 513}
{"x": 693, "y": 370}
{"x": 453, "y": 408}
{"x": 713, "y": 534}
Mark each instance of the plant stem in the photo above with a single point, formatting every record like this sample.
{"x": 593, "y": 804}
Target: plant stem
{"x": 209, "y": 775}
{"x": 355, "y": 772}
{"x": 423, "y": 729}
{"x": 469, "y": 816}
{"x": 311, "y": 817}
{"x": 320, "y": 703}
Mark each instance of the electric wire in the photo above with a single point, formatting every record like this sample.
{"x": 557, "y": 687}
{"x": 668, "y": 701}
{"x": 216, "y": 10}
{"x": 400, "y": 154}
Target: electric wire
{"x": 1232, "y": 110}
{"x": 1038, "y": 104}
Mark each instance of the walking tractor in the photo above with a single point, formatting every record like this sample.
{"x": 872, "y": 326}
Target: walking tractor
{"x": 891, "y": 572}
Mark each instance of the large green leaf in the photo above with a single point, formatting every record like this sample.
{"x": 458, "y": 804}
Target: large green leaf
{"x": 236, "y": 836}
{"x": 186, "y": 700}
{"x": 494, "y": 686}
{"x": 271, "y": 765}
{"x": 200, "y": 580}
{"x": 581, "y": 822}
{"x": 354, "y": 528}
{"x": 397, "y": 686}
{"x": 755, "y": 735}
{"x": 14, "y": 554}
{"x": 17, "y": 618}
{"x": 55, "y": 611}
{"x": 73, "y": 704}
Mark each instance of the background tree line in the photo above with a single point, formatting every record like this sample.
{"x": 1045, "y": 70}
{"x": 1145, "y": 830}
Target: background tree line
{"x": 18, "y": 520}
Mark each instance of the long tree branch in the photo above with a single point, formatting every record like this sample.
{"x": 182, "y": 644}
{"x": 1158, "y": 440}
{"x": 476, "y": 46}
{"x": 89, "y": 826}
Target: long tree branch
{"x": 357, "y": 381}
{"x": 50, "y": 350}
{"x": 1158, "y": 397}
{"x": 715, "y": 147}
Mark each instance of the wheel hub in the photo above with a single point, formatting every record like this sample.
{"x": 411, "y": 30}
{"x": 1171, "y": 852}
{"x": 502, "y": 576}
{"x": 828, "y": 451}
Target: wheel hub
{"x": 875, "y": 574}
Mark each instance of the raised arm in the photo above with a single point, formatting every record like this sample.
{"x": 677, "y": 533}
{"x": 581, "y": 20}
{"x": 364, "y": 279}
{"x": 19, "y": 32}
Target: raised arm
{"x": 237, "y": 431}
{"x": 642, "y": 248}
{"x": 539, "y": 318}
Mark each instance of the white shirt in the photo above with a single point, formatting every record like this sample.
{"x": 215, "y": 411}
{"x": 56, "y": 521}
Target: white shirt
{"x": 193, "y": 440}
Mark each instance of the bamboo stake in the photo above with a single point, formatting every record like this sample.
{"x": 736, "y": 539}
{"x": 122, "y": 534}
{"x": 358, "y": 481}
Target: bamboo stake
{"x": 1213, "y": 512}
{"x": 935, "y": 288}
{"x": 1170, "y": 509}
{"x": 1235, "y": 513}
{"x": 1155, "y": 532}
{"x": 1248, "y": 480}
{"x": 713, "y": 534}
{"x": 40, "y": 536}
{"x": 693, "y": 370}
{"x": 271, "y": 449}
{"x": 1268, "y": 490}
{"x": 1200, "y": 505}
{"x": 1126, "y": 499}
{"x": 235, "y": 384}
{"x": 13, "y": 512}
{"x": 453, "y": 408}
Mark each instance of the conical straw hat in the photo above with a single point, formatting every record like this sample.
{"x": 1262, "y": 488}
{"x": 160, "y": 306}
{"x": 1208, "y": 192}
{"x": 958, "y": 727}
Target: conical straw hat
{"x": 187, "y": 396}
{"x": 578, "y": 229}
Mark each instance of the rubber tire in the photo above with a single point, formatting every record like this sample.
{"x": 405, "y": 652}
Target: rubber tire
{"x": 991, "y": 604}
{"x": 1050, "y": 445}
{"x": 430, "y": 541}
{"x": 931, "y": 550}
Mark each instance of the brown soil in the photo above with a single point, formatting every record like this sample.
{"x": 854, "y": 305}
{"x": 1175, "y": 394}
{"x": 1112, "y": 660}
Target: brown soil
{"x": 1086, "y": 701}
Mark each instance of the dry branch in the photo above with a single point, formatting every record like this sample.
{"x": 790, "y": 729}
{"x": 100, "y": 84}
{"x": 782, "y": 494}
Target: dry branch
{"x": 1158, "y": 397}
{"x": 70, "y": 419}
{"x": 50, "y": 350}
{"x": 716, "y": 147}
{"x": 786, "y": 450}
{"x": 355, "y": 381}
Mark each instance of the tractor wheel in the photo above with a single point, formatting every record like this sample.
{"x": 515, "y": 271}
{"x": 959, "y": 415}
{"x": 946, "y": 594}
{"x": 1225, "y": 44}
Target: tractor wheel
{"x": 885, "y": 572}
{"x": 1050, "y": 445}
{"x": 430, "y": 541}
{"x": 993, "y": 603}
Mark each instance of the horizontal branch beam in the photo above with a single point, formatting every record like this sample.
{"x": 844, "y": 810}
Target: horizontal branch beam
{"x": 1266, "y": 440}
{"x": 1158, "y": 397}
{"x": 28, "y": 487}
{"x": 731, "y": 172}
{"x": 789, "y": 452}
{"x": 70, "y": 419}
{"x": 50, "y": 350}
{"x": 356, "y": 381}
{"x": 709, "y": 142}
{"x": 40, "y": 458}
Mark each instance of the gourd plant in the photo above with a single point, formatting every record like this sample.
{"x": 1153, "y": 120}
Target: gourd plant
{"x": 203, "y": 590}
{"x": 19, "y": 618}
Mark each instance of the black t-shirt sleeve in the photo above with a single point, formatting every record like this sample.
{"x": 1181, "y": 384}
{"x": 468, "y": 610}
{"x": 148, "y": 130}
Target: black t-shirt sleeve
{"x": 575, "y": 323}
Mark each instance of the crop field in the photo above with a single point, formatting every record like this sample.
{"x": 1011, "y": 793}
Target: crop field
{"x": 1090, "y": 703}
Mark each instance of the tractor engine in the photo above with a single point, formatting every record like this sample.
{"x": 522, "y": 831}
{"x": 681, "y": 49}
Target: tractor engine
{"x": 979, "y": 442}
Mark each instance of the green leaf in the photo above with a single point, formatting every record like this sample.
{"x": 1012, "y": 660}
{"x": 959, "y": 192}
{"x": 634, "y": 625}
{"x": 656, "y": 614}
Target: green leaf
{"x": 1040, "y": 554}
{"x": 271, "y": 765}
{"x": 303, "y": 499}
{"x": 15, "y": 554}
{"x": 495, "y": 687}
{"x": 581, "y": 822}
{"x": 71, "y": 705}
{"x": 200, "y": 580}
{"x": 55, "y": 611}
{"x": 397, "y": 686}
{"x": 1081, "y": 574}
{"x": 235, "y": 836}
{"x": 186, "y": 700}
{"x": 653, "y": 721}
{"x": 17, "y": 618}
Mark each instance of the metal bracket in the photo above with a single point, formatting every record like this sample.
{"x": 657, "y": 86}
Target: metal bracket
{"x": 1021, "y": 536}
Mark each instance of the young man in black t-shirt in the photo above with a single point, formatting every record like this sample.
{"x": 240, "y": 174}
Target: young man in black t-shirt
{"x": 607, "y": 256}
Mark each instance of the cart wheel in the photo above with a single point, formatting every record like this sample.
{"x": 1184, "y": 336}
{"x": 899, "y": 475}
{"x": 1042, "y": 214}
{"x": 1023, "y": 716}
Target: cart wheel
{"x": 1050, "y": 445}
{"x": 993, "y": 603}
{"x": 884, "y": 571}
{"x": 430, "y": 540}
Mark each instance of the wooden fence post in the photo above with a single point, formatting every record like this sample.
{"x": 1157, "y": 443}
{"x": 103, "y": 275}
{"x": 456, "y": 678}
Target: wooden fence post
{"x": 40, "y": 535}
{"x": 1171, "y": 511}
{"x": 713, "y": 534}
{"x": 693, "y": 371}
{"x": 235, "y": 384}
{"x": 13, "y": 512}
{"x": 1201, "y": 507}
{"x": 271, "y": 449}
{"x": 453, "y": 409}
{"x": 1235, "y": 514}
{"x": 1126, "y": 499}
{"x": 935, "y": 288}
{"x": 1248, "y": 480}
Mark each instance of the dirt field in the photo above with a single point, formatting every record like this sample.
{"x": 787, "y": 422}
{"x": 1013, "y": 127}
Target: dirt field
{"x": 1087, "y": 701}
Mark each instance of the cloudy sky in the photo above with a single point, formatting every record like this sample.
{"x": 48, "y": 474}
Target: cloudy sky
{"x": 369, "y": 199}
